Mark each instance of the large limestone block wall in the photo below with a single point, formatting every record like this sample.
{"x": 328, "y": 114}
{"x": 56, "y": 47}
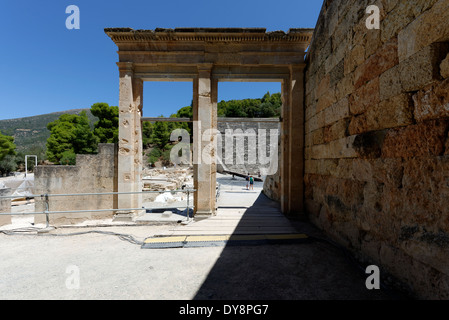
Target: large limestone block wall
{"x": 376, "y": 140}
{"x": 94, "y": 173}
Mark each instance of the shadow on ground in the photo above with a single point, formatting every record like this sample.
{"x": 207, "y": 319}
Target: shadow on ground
{"x": 309, "y": 270}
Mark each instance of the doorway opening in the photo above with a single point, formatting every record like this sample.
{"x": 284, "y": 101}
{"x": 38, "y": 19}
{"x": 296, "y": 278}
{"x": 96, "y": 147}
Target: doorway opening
{"x": 166, "y": 100}
{"x": 250, "y": 135}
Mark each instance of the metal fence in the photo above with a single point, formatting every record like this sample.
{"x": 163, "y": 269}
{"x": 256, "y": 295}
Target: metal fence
{"x": 47, "y": 212}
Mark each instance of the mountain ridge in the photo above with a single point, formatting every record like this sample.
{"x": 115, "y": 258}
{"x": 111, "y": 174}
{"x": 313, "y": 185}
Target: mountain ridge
{"x": 31, "y": 133}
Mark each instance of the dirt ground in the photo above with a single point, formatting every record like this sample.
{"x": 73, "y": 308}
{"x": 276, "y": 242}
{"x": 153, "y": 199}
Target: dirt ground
{"x": 111, "y": 267}
{"x": 107, "y": 263}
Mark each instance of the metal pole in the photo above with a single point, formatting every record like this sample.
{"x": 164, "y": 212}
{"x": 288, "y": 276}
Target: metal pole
{"x": 188, "y": 209}
{"x": 26, "y": 163}
{"x": 46, "y": 211}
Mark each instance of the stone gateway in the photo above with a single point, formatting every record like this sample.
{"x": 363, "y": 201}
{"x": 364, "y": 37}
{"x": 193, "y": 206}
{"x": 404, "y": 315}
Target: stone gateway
{"x": 205, "y": 57}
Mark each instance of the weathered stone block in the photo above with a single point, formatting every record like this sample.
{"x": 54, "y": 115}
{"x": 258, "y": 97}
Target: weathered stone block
{"x": 432, "y": 102}
{"x": 310, "y": 110}
{"x": 425, "y": 186}
{"x": 385, "y": 58}
{"x": 344, "y": 87}
{"x": 317, "y": 136}
{"x": 428, "y": 28}
{"x": 424, "y": 139}
{"x": 337, "y": 111}
{"x": 321, "y": 166}
{"x": 323, "y": 86}
{"x": 390, "y": 113}
{"x": 354, "y": 59}
{"x": 336, "y": 130}
{"x": 341, "y": 148}
{"x": 390, "y": 83}
{"x": 326, "y": 100}
{"x": 401, "y": 14}
{"x": 337, "y": 73}
{"x": 364, "y": 97}
{"x": 422, "y": 68}
{"x": 311, "y": 124}
{"x": 373, "y": 42}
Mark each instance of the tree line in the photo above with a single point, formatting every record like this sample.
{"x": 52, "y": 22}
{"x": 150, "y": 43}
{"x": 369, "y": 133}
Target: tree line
{"x": 72, "y": 134}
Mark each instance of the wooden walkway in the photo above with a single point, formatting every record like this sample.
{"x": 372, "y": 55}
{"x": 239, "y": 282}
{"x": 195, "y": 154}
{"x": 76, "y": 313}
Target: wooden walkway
{"x": 240, "y": 211}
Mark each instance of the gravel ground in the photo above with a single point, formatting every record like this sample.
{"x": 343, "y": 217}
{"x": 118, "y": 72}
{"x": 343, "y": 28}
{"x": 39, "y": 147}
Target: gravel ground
{"x": 105, "y": 266}
{"x": 96, "y": 263}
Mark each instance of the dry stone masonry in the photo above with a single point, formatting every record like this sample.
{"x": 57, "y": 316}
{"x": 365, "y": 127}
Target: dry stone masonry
{"x": 376, "y": 136}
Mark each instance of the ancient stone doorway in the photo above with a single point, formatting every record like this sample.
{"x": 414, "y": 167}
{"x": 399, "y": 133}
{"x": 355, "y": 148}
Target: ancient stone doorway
{"x": 205, "y": 57}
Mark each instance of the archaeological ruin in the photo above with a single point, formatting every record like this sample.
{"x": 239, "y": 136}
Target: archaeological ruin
{"x": 363, "y": 142}
{"x": 205, "y": 57}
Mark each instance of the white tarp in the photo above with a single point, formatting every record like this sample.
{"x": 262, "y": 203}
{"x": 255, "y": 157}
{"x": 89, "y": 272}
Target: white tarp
{"x": 20, "y": 187}
{"x": 165, "y": 197}
{"x": 25, "y": 189}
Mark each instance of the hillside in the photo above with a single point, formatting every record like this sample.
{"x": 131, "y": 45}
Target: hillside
{"x": 30, "y": 133}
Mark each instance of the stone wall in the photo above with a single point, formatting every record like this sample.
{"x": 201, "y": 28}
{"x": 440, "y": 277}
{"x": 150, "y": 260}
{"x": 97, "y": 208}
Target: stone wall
{"x": 5, "y": 206}
{"x": 95, "y": 173}
{"x": 376, "y": 136}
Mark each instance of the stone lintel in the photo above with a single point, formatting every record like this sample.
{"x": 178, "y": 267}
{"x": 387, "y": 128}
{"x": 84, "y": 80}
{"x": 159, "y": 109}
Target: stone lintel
{"x": 209, "y": 34}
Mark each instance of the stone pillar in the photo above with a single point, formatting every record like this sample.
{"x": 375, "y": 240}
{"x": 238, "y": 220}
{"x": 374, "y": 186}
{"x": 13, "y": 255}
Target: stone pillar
{"x": 5, "y": 206}
{"x": 129, "y": 144}
{"x": 205, "y": 140}
{"x": 138, "y": 159}
{"x": 297, "y": 140}
{"x": 292, "y": 141}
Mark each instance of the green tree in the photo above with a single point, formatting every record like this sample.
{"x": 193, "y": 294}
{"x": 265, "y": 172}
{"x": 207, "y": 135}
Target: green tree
{"x": 7, "y": 146}
{"x": 70, "y": 132}
{"x": 267, "y": 107}
{"x": 160, "y": 135}
{"x": 154, "y": 155}
{"x": 7, "y": 154}
{"x": 68, "y": 158}
{"x": 147, "y": 130}
{"x": 8, "y": 164}
{"x": 185, "y": 112}
{"x": 106, "y": 128}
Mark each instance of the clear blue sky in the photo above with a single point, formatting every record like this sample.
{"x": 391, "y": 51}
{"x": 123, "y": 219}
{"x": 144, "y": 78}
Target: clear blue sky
{"x": 46, "y": 68}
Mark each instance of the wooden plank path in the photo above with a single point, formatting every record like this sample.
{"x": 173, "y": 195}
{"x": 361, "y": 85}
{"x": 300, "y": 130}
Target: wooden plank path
{"x": 240, "y": 211}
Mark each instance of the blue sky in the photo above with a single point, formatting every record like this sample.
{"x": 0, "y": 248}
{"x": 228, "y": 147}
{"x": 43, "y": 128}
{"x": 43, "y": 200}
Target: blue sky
{"x": 46, "y": 67}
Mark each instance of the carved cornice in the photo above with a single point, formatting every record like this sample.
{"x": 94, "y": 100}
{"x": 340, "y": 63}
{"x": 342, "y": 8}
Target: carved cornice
{"x": 209, "y": 35}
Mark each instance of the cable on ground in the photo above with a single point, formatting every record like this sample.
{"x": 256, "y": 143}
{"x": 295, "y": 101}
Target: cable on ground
{"x": 34, "y": 230}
